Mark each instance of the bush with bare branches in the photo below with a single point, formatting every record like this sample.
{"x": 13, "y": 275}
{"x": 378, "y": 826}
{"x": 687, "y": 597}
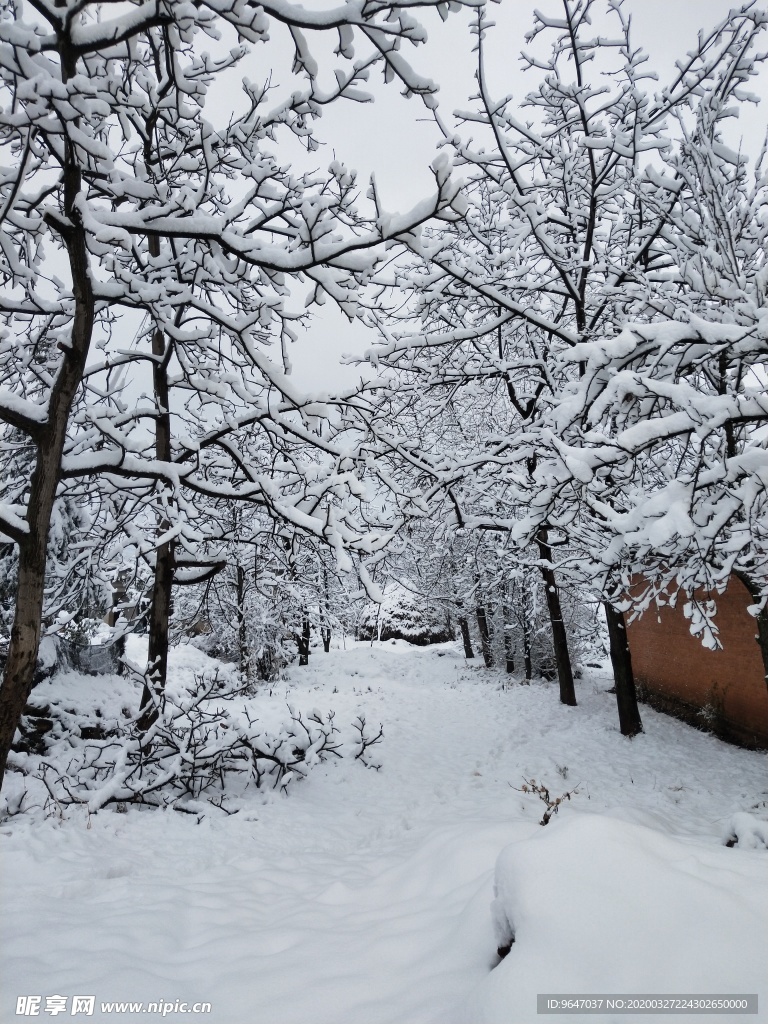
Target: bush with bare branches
{"x": 200, "y": 747}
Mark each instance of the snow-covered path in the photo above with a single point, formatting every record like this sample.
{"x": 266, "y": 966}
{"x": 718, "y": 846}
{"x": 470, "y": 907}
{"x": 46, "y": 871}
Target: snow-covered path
{"x": 365, "y": 896}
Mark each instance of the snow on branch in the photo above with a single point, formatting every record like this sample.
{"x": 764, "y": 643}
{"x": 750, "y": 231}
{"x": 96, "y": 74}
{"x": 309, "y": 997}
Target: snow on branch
{"x": 199, "y": 749}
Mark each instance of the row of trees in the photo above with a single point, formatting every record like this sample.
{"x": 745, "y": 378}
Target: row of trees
{"x": 586, "y": 376}
{"x": 571, "y": 360}
{"x": 153, "y": 248}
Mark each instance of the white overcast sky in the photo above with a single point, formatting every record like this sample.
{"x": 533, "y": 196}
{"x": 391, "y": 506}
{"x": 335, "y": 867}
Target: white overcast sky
{"x": 395, "y": 138}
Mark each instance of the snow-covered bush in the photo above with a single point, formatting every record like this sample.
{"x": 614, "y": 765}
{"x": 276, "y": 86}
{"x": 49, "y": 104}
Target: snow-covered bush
{"x": 551, "y": 803}
{"x": 262, "y": 650}
{"x": 200, "y": 746}
{"x": 405, "y": 616}
{"x": 261, "y": 610}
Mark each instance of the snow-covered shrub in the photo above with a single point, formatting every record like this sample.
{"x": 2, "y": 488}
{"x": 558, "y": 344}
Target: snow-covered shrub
{"x": 249, "y": 632}
{"x": 551, "y": 803}
{"x": 405, "y": 616}
{"x": 260, "y": 612}
{"x": 199, "y": 746}
{"x": 365, "y": 740}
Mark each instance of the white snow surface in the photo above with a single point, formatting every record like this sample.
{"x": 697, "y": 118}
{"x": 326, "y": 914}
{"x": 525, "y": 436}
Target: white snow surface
{"x": 367, "y": 896}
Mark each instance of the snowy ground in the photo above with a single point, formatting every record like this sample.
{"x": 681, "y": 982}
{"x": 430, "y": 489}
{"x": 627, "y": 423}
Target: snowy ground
{"x": 366, "y": 896}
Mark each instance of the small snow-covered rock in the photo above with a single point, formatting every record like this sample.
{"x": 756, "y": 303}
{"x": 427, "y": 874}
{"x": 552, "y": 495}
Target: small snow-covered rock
{"x": 748, "y": 832}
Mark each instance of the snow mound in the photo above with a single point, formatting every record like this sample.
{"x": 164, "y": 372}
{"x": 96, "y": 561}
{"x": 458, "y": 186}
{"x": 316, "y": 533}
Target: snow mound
{"x": 597, "y": 905}
{"x": 748, "y": 832}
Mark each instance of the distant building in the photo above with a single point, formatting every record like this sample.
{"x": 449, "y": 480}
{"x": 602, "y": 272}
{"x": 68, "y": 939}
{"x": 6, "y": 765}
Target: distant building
{"x": 724, "y": 691}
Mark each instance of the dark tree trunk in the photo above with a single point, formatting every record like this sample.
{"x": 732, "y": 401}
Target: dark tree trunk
{"x": 303, "y": 641}
{"x": 762, "y": 638}
{"x": 621, "y": 659}
{"x": 527, "y": 661}
{"x": 156, "y": 674}
{"x": 242, "y": 629}
{"x": 19, "y": 675}
{"x": 48, "y": 438}
{"x": 509, "y": 640}
{"x": 559, "y": 635}
{"x": 485, "y": 635}
{"x": 761, "y": 620}
{"x": 325, "y": 629}
{"x": 461, "y": 618}
{"x": 465, "y": 637}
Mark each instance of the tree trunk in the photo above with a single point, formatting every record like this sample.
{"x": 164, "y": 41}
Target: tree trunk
{"x": 19, "y": 675}
{"x": 466, "y": 638}
{"x": 761, "y": 619}
{"x": 527, "y": 661}
{"x": 621, "y": 659}
{"x": 49, "y": 438}
{"x": 559, "y": 636}
{"x": 156, "y": 673}
{"x": 762, "y": 638}
{"x": 325, "y": 627}
{"x": 303, "y": 641}
{"x": 509, "y": 643}
{"x": 485, "y": 635}
{"x": 461, "y": 618}
{"x": 242, "y": 629}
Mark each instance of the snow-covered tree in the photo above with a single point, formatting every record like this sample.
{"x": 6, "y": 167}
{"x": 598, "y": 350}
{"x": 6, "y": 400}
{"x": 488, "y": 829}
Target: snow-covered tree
{"x": 123, "y": 202}
{"x": 275, "y": 590}
{"x": 570, "y": 231}
{"x": 662, "y": 438}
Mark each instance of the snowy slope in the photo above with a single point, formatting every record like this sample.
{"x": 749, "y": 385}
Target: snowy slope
{"x": 366, "y": 896}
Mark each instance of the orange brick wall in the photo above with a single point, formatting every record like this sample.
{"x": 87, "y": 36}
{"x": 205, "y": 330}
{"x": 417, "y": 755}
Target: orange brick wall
{"x": 679, "y": 674}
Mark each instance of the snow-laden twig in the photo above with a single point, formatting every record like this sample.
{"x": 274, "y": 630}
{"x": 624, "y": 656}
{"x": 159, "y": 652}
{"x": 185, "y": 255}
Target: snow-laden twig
{"x": 541, "y": 791}
{"x": 365, "y": 740}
